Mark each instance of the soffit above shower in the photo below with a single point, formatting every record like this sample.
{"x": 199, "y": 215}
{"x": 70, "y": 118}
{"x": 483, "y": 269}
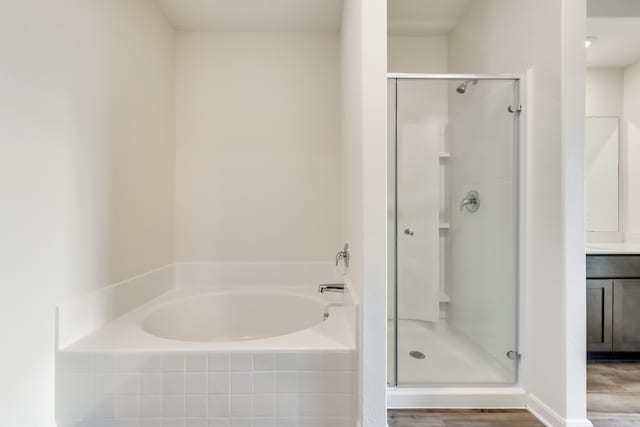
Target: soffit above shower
{"x": 254, "y": 15}
{"x": 614, "y": 42}
{"x": 424, "y": 17}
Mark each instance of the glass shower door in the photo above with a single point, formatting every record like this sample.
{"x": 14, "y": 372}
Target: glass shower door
{"x": 453, "y": 239}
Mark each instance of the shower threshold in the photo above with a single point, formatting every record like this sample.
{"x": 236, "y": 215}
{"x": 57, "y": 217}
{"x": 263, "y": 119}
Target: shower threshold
{"x": 512, "y": 397}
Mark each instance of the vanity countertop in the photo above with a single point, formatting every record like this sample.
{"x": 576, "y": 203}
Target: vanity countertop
{"x": 613, "y": 249}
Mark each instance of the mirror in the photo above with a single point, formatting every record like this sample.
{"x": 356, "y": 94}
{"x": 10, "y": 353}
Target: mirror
{"x": 602, "y": 153}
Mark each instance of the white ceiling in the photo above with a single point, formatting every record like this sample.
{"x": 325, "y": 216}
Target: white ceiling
{"x": 254, "y": 15}
{"x": 615, "y": 44}
{"x": 421, "y": 17}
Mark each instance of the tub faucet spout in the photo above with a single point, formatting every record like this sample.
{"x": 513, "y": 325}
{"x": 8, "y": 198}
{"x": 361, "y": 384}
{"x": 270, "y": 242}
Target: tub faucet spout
{"x": 331, "y": 287}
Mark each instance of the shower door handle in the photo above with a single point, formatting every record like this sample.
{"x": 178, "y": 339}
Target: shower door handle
{"x": 408, "y": 231}
{"x": 471, "y": 202}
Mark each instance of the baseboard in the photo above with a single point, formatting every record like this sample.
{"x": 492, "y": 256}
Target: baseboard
{"x": 551, "y": 418}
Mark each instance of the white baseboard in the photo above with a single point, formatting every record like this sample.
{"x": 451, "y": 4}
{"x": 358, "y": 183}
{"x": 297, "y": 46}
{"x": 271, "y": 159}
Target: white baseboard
{"x": 551, "y": 418}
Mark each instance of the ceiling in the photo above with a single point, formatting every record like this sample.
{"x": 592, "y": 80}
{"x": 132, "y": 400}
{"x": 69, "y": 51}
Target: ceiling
{"x": 254, "y": 15}
{"x": 424, "y": 18}
{"x": 615, "y": 42}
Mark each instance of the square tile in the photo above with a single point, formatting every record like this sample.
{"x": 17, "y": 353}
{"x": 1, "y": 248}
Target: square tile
{"x": 104, "y": 407}
{"x": 220, "y": 422}
{"x": 196, "y": 422}
{"x": 104, "y": 362}
{"x": 241, "y": 422}
{"x": 264, "y": 422}
{"x": 241, "y": 361}
{"x": 264, "y": 382}
{"x": 219, "y": 362}
{"x": 150, "y": 406}
{"x": 174, "y": 362}
{"x": 196, "y": 406}
{"x": 127, "y": 422}
{"x": 264, "y": 362}
{"x": 196, "y": 362}
{"x": 287, "y": 362}
{"x": 286, "y": 405}
{"x": 173, "y": 406}
{"x": 74, "y": 362}
{"x": 127, "y": 406}
{"x": 173, "y": 422}
{"x": 219, "y": 406}
{"x": 196, "y": 383}
{"x": 287, "y": 382}
{"x": 241, "y": 405}
{"x": 173, "y": 383}
{"x": 287, "y": 422}
{"x": 130, "y": 362}
{"x": 264, "y": 405}
{"x": 151, "y": 422}
{"x": 75, "y": 384}
{"x": 150, "y": 383}
{"x": 153, "y": 363}
{"x": 219, "y": 383}
{"x": 241, "y": 383}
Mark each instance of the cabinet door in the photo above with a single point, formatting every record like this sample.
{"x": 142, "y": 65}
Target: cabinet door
{"x": 626, "y": 315}
{"x": 599, "y": 314}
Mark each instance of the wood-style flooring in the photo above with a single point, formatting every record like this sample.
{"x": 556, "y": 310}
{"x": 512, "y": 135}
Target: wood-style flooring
{"x": 462, "y": 418}
{"x": 613, "y": 394}
{"x": 613, "y": 400}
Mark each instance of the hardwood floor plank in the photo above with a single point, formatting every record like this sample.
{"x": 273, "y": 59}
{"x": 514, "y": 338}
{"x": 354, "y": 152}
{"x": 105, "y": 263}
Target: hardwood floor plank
{"x": 613, "y": 394}
{"x": 462, "y": 418}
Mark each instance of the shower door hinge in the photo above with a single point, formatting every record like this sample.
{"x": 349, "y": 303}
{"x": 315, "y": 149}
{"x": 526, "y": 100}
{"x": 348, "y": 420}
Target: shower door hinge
{"x": 514, "y": 355}
{"x": 514, "y": 108}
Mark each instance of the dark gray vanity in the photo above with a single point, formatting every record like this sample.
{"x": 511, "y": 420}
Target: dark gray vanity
{"x": 613, "y": 303}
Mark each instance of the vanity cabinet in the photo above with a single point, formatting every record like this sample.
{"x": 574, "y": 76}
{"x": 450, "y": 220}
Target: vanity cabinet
{"x": 626, "y": 315}
{"x": 613, "y": 303}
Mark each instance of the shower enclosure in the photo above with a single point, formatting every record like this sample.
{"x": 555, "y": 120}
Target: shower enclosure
{"x": 453, "y": 230}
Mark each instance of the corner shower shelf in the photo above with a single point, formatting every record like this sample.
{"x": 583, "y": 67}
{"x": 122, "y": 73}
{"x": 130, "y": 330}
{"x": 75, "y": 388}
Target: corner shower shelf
{"x": 445, "y": 155}
{"x": 445, "y": 298}
{"x": 445, "y": 226}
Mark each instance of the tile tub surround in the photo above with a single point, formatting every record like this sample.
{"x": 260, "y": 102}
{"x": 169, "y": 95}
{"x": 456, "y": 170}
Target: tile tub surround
{"x": 206, "y": 389}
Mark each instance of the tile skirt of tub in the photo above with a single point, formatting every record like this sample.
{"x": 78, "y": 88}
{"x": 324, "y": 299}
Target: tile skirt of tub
{"x": 199, "y": 389}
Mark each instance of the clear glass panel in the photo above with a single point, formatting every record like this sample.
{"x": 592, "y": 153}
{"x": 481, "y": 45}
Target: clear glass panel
{"x": 455, "y": 212}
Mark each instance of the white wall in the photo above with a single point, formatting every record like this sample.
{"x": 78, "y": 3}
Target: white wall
{"x": 417, "y": 54}
{"x": 604, "y": 89}
{"x": 363, "y": 73}
{"x": 86, "y": 171}
{"x": 494, "y": 36}
{"x": 631, "y": 153}
{"x": 258, "y": 140}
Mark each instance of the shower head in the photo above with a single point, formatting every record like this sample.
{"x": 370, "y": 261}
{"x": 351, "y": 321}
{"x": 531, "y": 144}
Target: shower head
{"x": 463, "y": 87}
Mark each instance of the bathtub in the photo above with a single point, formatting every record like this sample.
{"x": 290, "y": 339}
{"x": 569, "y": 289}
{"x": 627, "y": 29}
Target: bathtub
{"x": 216, "y": 356}
{"x": 230, "y": 318}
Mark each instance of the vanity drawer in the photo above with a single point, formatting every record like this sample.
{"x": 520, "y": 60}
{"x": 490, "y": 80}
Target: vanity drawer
{"x": 613, "y": 266}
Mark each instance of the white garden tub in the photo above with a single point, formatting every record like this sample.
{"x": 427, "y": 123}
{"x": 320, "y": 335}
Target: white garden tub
{"x": 230, "y": 319}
